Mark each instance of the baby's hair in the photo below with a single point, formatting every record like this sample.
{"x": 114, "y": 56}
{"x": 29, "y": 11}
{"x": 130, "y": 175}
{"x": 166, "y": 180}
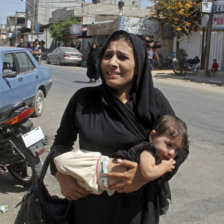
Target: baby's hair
{"x": 172, "y": 127}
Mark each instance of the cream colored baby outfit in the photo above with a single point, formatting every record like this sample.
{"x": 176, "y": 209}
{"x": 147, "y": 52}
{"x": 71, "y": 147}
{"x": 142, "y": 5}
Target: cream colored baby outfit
{"x": 87, "y": 168}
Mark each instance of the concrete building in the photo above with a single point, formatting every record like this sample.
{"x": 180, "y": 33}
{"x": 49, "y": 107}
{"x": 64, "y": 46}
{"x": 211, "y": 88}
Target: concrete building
{"x": 99, "y": 18}
{"x": 13, "y": 25}
{"x": 39, "y": 11}
{"x": 91, "y": 11}
{"x": 3, "y": 34}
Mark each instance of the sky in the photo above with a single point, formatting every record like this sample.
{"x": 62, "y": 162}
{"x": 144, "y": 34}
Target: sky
{"x": 10, "y": 7}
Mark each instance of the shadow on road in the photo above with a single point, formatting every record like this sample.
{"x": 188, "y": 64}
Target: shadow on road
{"x": 87, "y": 82}
{"x": 9, "y": 185}
{"x": 80, "y": 82}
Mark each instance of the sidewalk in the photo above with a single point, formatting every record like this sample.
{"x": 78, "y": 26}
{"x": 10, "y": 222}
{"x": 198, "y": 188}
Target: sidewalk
{"x": 199, "y": 77}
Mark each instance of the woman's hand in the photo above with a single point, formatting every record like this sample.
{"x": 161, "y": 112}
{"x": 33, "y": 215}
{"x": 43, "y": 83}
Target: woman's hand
{"x": 69, "y": 187}
{"x": 129, "y": 181}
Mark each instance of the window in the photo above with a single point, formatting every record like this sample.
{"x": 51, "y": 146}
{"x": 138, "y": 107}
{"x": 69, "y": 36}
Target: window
{"x": 9, "y": 64}
{"x": 25, "y": 63}
{"x": 55, "y": 50}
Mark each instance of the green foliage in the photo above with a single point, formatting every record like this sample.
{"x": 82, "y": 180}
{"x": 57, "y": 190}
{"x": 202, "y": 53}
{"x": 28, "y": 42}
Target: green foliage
{"x": 183, "y": 15}
{"x": 60, "y": 30}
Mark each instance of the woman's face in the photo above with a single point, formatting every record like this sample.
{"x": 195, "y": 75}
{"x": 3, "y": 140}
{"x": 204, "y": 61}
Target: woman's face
{"x": 118, "y": 66}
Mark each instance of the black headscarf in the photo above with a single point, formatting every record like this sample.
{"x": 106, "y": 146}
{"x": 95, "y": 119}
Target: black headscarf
{"x": 146, "y": 110}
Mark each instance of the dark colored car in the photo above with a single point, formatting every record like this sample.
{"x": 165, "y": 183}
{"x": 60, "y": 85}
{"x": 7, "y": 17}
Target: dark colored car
{"x": 23, "y": 79}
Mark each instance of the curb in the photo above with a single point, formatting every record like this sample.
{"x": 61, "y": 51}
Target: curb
{"x": 161, "y": 74}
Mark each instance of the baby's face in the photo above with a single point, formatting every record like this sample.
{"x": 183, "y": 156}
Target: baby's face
{"x": 167, "y": 148}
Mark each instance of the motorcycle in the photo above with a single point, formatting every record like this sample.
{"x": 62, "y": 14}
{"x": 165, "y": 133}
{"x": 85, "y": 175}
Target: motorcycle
{"x": 20, "y": 144}
{"x": 186, "y": 65}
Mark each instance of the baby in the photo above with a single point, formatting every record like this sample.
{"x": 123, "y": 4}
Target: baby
{"x": 168, "y": 136}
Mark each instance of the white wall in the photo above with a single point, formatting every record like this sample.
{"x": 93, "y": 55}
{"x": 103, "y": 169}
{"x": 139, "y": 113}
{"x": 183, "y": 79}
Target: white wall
{"x": 193, "y": 47}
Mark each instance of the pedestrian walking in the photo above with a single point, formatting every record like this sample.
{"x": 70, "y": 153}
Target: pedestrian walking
{"x": 91, "y": 64}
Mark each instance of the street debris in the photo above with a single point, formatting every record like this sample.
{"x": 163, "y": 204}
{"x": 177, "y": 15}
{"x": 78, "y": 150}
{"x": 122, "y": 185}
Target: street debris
{"x": 3, "y": 208}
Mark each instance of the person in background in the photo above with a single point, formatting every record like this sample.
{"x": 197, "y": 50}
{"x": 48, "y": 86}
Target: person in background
{"x": 214, "y": 68}
{"x": 30, "y": 47}
{"x": 91, "y": 64}
{"x": 37, "y": 51}
{"x": 21, "y": 43}
{"x": 78, "y": 44}
{"x": 152, "y": 54}
{"x": 117, "y": 114}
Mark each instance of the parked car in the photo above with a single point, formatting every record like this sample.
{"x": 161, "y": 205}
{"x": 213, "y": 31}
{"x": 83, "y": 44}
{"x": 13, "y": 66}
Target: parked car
{"x": 23, "y": 79}
{"x": 64, "y": 55}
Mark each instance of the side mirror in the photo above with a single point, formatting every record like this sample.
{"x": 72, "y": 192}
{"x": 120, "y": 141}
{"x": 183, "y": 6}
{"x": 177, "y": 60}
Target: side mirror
{"x": 9, "y": 74}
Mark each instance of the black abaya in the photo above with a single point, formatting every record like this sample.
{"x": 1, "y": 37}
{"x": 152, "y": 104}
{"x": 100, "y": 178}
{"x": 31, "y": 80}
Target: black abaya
{"x": 91, "y": 64}
{"x": 105, "y": 124}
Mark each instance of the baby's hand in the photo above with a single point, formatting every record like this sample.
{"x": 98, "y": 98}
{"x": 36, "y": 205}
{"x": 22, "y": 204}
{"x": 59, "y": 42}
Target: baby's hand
{"x": 169, "y": 164}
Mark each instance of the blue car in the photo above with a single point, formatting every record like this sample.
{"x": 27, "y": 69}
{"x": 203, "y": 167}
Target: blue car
{"x": 22, "y": 79}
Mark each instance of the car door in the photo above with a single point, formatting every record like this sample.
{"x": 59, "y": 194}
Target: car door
{"x": 27, "y": 75}
{"x": 9, "y": 91}
{"x": 54, "y": 55}
{"x": 23, "y": 85}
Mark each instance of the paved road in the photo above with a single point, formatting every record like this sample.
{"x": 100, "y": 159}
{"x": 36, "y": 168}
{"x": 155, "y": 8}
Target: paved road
{"x": 197, "y": 189}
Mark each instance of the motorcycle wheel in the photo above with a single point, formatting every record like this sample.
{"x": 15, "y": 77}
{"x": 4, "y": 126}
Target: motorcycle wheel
{"x": 197, "y": 69}
{"x": 176, "y": 69}
{"x": 27, "y": 171}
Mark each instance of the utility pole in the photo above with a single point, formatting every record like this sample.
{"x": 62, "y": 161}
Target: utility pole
{"x": 204, "y": 24}
{"x": 1, "y": 34}
{"x": 33, "y": 15}
{"x": 15, "y": 28}
{"x": 208, "y": 40}
{"x": 33, "y": 18}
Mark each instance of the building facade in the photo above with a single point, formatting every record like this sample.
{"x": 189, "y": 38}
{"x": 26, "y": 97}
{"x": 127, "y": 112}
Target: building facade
{"x": 12, "y": 28}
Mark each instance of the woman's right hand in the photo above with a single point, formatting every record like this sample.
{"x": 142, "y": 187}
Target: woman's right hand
{"x": 69, "y": 187}
{"x": 129, "y": 181}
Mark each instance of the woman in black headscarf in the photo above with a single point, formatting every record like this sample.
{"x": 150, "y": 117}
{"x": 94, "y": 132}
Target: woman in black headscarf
{"x": 91, "y": 63}
{"x": 115, "y": 115}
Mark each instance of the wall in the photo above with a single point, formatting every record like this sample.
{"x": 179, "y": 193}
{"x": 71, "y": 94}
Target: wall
{"x": 136, "y": 3}
{"x": 44, "y": 8}
{"x": 192, "y": 46}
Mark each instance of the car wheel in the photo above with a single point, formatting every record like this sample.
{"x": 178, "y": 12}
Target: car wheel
{"x": 48, "y": 60}
{"x": 38, "y": 104}
{"x": 58, "y": 61}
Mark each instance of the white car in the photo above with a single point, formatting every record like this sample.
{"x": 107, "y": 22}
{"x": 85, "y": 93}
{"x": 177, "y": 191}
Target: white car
{"x": 64, "y": 55}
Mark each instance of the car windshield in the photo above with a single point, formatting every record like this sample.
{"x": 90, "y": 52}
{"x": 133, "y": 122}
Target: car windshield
{"x": 69, "y": 50}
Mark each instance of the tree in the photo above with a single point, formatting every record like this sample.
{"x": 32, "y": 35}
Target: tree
{"x": 60, "y": 30}
{"x": 184, "y": 16}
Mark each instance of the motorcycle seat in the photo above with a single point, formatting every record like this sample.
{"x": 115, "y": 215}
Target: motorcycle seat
{"x": 5, "y": 112}
{"x": 195, "y": 60}
{"x": 190, "y": 61}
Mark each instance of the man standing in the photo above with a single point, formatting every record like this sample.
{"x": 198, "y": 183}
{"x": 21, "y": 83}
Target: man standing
{"x": 37, "y": 51}
{"x": 21, "y": 43}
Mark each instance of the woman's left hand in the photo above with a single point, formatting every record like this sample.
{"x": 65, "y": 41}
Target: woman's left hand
{"x": 129, "y": 181}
